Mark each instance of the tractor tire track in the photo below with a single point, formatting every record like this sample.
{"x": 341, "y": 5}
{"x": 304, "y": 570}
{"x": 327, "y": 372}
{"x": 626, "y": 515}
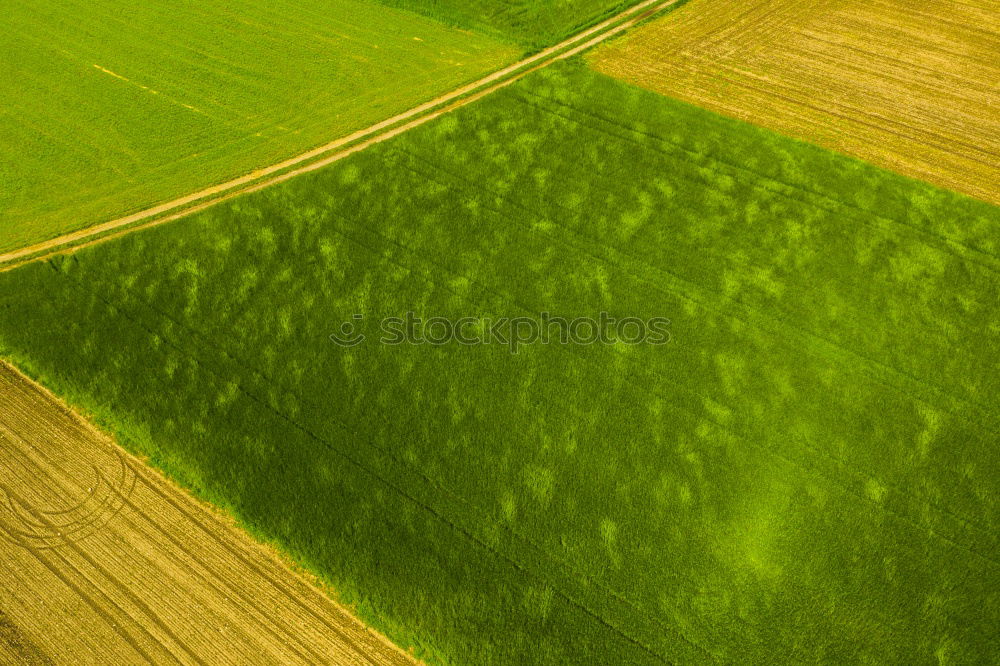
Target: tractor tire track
{"x": 149, "y": 578}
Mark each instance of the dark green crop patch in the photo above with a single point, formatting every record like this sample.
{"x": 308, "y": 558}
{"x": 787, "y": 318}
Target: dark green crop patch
{"x": 534, "y": 24}
{"x": 808, "y": 471}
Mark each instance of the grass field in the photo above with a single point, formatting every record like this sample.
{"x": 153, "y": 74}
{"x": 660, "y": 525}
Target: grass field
{"x": 807, "y": 472}
{"x": 123, "y": 107}
{"x": 911, "y": 87}
{"x": 530, "y": 23}
{"x": 150, "y": 575}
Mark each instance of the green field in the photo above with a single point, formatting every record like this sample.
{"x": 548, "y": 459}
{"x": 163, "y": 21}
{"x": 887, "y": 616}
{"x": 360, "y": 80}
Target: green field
{"x": 807, "y": 472}
{"x": 111, "y": 107}
{"x": 531, "y": 23}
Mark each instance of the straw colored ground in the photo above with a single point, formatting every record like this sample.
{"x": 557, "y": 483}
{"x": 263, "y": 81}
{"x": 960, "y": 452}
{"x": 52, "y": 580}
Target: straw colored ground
{"x": 908, "y": 86}
{"x": 106, "y": 562}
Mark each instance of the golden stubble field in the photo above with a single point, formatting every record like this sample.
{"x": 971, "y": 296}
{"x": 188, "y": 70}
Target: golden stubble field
{"x": 105, "y": 561}
{"x": 910, "y": 86}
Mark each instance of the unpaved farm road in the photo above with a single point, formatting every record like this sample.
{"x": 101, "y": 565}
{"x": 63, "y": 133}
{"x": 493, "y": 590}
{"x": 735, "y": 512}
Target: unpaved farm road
{"x": 104, "y": 561}
{"x": 342, "y": 147}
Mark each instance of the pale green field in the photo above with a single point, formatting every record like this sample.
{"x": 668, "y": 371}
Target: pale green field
{"x": 110, "y": 107}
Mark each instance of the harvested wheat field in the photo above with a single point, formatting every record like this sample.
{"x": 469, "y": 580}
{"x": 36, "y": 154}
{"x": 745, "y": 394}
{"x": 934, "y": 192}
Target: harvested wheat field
{"x": 909, "y": 86}
{"x": 107, "y": 562}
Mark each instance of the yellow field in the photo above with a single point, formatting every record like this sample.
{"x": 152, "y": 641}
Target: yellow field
{"x": 106, "y": 562}
{"x": 909, "y": 86}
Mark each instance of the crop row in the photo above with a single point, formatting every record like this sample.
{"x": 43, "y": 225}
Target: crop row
{"x": 804, "y": 466}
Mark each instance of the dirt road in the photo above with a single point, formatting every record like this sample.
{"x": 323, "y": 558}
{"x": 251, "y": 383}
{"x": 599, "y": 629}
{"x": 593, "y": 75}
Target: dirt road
{"x": 342, "y": 147}
{"x": 104, "y": 561}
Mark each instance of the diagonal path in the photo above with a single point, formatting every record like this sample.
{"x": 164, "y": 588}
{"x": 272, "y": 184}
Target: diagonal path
{"x": 338, "y": 148}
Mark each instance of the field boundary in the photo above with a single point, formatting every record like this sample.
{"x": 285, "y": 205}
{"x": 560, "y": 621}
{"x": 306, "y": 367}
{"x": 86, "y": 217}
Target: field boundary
{"x": 918, "y": 100}
{"x": 309, "y": 599}
{"x": 338, "y": 148}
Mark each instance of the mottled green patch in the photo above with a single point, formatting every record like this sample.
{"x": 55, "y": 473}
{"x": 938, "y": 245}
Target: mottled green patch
{"x": 540, "y": 482}
{"x": 806, "y": 473}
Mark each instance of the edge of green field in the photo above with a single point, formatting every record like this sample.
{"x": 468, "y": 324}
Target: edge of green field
{"x": 107, "y": 121}
{"x": 532, "y": 24}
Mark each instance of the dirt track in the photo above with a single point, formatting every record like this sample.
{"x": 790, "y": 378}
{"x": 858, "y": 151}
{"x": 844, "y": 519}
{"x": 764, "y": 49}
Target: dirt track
{"x": 342, "y": 147}
{"x": 104, "y": 561}
{"x": 912, "y": 87}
